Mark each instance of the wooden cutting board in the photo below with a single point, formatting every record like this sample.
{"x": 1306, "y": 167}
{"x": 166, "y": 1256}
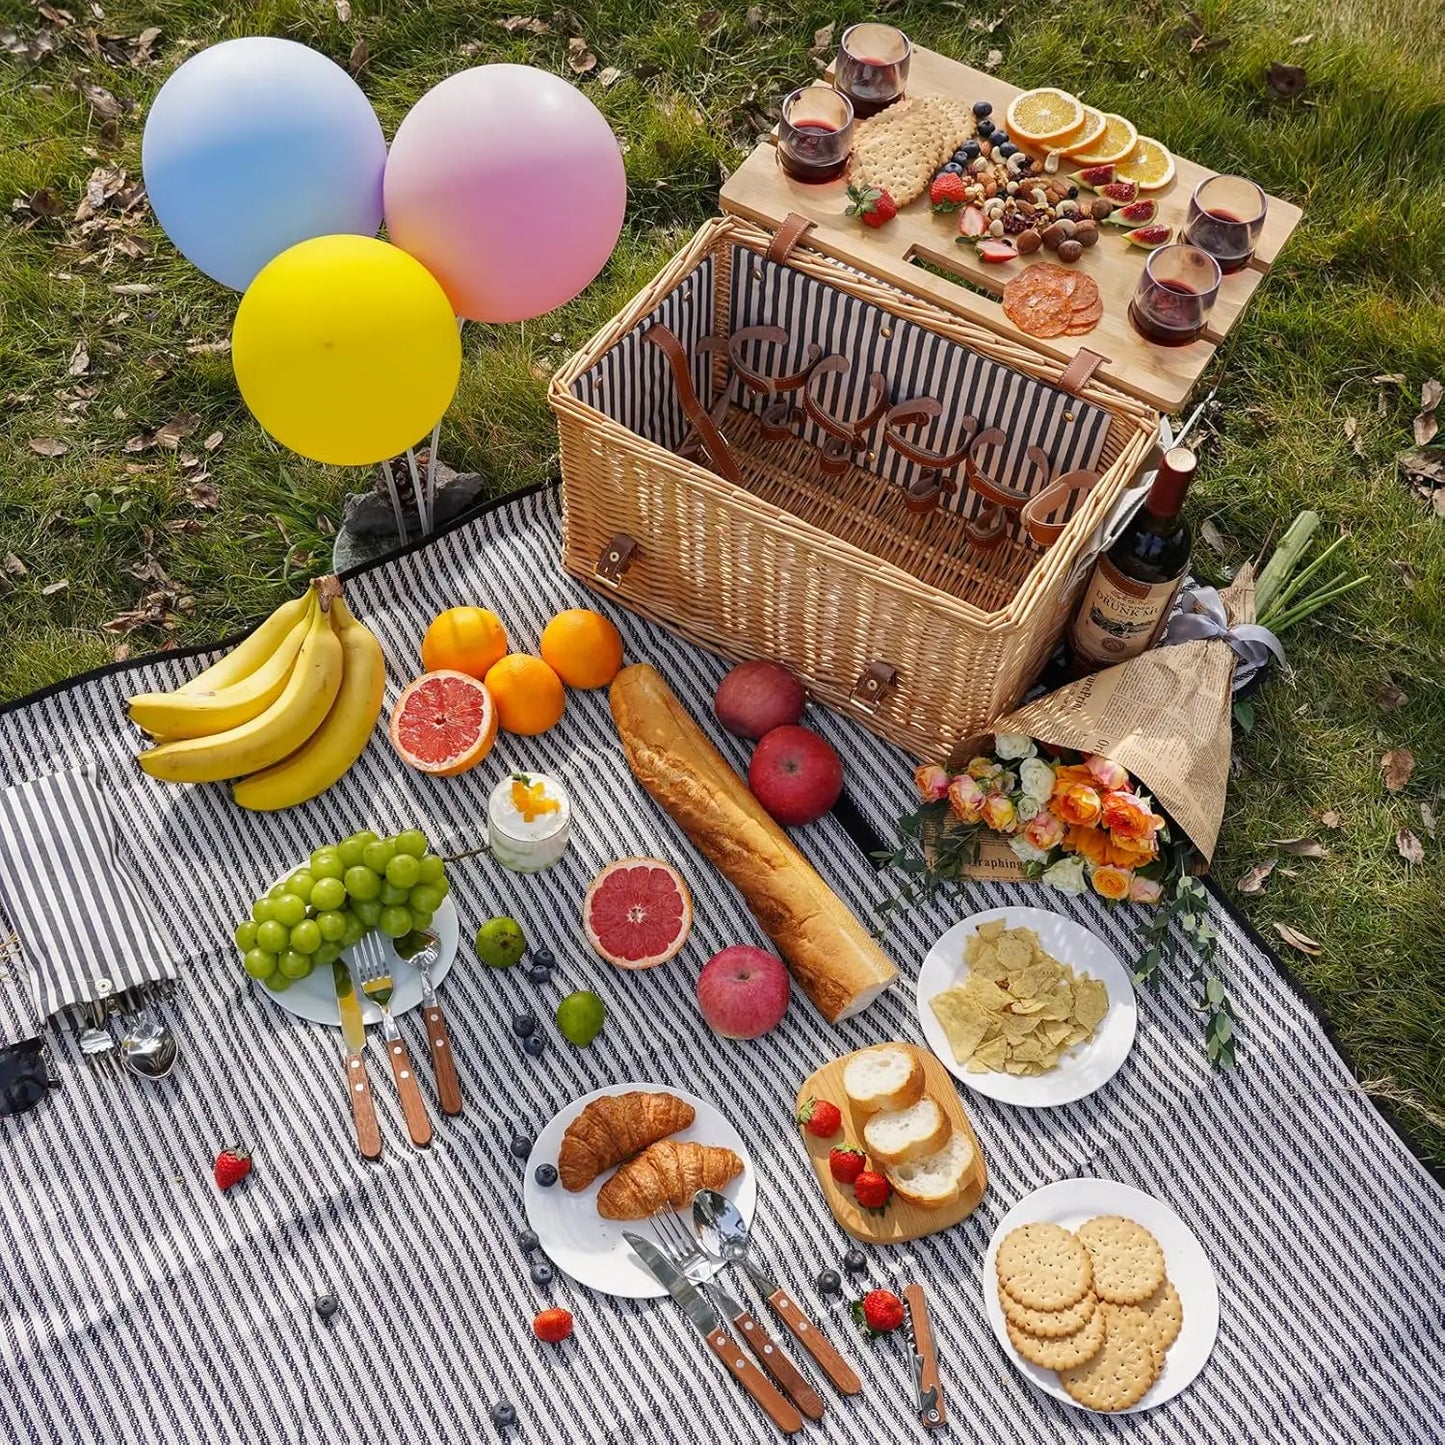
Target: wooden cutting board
{"x": 901, "y": 1220}
{"x": 1162, "y": 376}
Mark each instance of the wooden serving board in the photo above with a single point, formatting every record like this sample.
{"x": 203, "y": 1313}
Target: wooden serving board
{"x": 1162, "y": 376}
{"x": 901, "y": 1220}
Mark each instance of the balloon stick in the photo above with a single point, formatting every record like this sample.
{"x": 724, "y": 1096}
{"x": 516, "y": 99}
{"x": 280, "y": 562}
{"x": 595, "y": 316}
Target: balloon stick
{"x": 431, "y": 470}
{"x": 395, "y": 500}
{"x": 422, "y": 510}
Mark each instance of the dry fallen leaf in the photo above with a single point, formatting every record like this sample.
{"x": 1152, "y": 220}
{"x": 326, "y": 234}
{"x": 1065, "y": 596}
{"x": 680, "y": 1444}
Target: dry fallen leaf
{"x": 61, "y": 586}
{"x": 1425, "y": 428}
{"x": 1425, "y": 467}
{"x": 343, "y": 10}
{"x": 525, "y": 22}
{"x": 1299, "y": 847}
{"x": 14, "y": 567}
{"x": 103, "y": 105}
{"x": 1296, "y": 939}
{"x": 48, "y": 446}
{"x": 993, "y": 60}
{"x": 609, "y": 77}
{"x": 203, "y": 494}
{"x": 1397, "y": 765}
{"x": 1431, "y": 394}
{"x": 79, "y": 361}
{"x": 135, "y": 288}
{"x": 1352, "y": 435}
{"x": 143, "y": 43}
{"x": 213, "y": 441}
{"x": 1254, "y": 880}
{"x": 1213, "y": 537}
{"x": 176, "y": 430}
{"x": 1389, "y": 696}
{"x": 755, "y": 17}
{"x": 579, "y": 59}
{"x": 1427, "y": 814}
{"x": 1409, "y": 847}
{"x": 1329, "y": 819}
{"x": 708, "y": 21}
{"x": 1285, "y": 81}
{"x": 360, "y": 54}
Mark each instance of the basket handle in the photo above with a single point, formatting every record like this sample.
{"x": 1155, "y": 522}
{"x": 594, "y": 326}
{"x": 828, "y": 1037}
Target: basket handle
{"x": 720, "y": 453}
{"x": 788, "y": 236}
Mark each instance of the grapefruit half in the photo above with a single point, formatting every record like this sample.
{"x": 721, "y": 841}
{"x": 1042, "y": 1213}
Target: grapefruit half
{"x": 637, "y": 913}
{"x": 444, "y": 723}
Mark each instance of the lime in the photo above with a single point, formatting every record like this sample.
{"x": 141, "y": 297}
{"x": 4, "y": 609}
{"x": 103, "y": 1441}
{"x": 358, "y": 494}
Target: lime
{"x": 500, "y": 942}
{"x": 580, "y": 1017}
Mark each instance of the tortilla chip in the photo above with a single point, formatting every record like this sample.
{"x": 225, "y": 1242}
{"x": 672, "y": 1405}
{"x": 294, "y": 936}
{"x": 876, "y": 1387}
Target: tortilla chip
{"x": 963, "y": 1019}
{"x": 993, "y": 928}
{"x": 992, "y": 1055}
{"x": 1091, "y": 1002}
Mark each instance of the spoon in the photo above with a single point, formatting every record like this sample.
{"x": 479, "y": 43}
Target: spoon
{"x": 148, "y": 1049}
{"x": 723, "y": 1234}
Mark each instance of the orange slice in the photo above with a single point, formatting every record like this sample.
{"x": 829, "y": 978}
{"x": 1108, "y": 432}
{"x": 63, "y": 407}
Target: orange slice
{"x": 1118, "y": 141}
{"x": 1087, "y": 134}
{"x": 1041, "y": 117}
{"x": 1148, "y": 165}
{"x": 444, "y": 723}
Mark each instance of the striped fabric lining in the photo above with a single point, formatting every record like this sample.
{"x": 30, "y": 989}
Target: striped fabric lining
{"x": 127, "y": 1289}
{"x": 84, "y": 929}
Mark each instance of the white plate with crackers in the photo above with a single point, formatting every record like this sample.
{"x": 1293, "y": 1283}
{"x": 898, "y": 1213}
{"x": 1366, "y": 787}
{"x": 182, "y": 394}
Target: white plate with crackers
{"x": 1105, "y": 1298}
{"x": 1027, "y": 1006}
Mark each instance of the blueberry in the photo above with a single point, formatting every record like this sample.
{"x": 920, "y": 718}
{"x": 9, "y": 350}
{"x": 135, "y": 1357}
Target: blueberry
{"x": 524, "y": 1024}
{"x": 527, "y": 1241}
{"x": 985, "y": 129}
{"x": 830, "y": 1282}
{"x": 542, "y": 1274}
{"x": 520, "y": 1146}
{"x": 326, "y": 1305}
{"x": 999, "y": 138}
{"x": 853, "y": 1261}
{"x": 1073, "y": 193}
{"x": 539, "y": 973}
{"x": 535, "y": 1045}
{"x": 982, "y": 108}
{"x": 546, "y": 1175}
{"x": 504, "y": 1416}
{"x": 544, "y": 956}
{"x": 969, "y": 150}
{"x": 953, "y": 168}
{"x": 1007, "y": 149}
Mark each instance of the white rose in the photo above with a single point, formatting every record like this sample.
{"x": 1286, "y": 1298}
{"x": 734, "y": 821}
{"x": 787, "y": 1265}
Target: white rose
{"x": 1067, "y": 874}
{"x": 1027, "y": 808}
{"x": 1025, "y": 851}
{"x": 1037, "y": 778}
{"x": 1013, "y": 745}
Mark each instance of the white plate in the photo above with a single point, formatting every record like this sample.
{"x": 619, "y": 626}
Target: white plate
{"x": 314, "y": 997}
{"x": 1069, "y": 1202}
{"x": 1086, "y": 1066}
{"x": 591, "y": 1249}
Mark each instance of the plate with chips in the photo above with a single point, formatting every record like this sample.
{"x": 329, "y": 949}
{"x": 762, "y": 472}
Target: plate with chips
{"x": 1027, "y": 1006}
{"x": 1141, "y": 1253}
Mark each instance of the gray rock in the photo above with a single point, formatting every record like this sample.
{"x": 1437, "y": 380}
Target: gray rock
{"x": 369, "y": 528}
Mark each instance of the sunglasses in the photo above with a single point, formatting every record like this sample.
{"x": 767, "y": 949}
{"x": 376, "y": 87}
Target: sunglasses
{"x": 24, "y": 1078}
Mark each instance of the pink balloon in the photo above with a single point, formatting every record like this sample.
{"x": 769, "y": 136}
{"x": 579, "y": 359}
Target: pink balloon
{"x": 507, "y": 184}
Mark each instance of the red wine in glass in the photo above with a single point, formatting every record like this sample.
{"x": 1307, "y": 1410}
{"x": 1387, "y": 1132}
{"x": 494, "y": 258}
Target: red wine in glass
{"x": 1172, "y": 315}
{"x": 810, "y": 155}
{"x": 872, "y": 86}
{"x": 1221, "y": 232}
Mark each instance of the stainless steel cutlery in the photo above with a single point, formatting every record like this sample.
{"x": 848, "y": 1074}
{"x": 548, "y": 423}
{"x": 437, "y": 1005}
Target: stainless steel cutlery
{"x": 371, "y": 974}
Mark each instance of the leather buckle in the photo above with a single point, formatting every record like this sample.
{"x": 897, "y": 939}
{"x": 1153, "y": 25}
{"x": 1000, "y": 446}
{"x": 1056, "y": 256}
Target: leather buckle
{"x": 874, "y": 685}
{"x": 615, "y": 558}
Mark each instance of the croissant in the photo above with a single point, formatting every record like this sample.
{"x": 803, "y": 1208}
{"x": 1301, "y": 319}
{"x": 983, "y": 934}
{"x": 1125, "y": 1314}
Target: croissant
{"x": 614, "y": 1128}
{"x": 665, "y": 1176}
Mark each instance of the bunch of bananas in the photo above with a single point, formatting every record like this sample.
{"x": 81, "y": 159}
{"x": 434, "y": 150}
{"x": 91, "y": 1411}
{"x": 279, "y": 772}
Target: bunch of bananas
{"x": 285, "y": 714}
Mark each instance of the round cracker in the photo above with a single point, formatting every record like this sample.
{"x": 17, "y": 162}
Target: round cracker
{"x": 1048, "y": 1324}
{"x": 1128, "y": 1262}
{"x": 1067, "y": 1352}
{"x": 1120, "y": 1374}
{"x": 1161, "y": 1316}
{"x": 1043, "y": 1266}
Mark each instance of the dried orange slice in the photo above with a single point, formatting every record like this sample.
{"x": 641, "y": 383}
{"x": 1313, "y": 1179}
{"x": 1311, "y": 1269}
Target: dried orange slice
{"x": 1118, "y": 141}
{"x": 1041, "y": 117}
{"x": 1148, "y": 165}
{"x": 1086, "y": 135}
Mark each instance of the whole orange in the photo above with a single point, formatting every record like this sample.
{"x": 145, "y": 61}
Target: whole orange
{"x": 582, "y": 647}
{"x": 528, "y": 694}
{"x": 464, "y": 639}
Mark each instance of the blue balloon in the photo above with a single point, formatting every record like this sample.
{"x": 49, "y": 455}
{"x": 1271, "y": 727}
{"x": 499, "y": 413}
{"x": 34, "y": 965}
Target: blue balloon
{"x": 254, "y": 145}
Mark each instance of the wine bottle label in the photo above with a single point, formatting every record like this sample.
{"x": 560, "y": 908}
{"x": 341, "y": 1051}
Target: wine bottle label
{"x": 1119, "y": 618}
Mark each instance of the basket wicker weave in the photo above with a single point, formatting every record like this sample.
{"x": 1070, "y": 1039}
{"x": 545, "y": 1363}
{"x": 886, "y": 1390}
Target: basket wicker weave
{"x": 886, "y": 613}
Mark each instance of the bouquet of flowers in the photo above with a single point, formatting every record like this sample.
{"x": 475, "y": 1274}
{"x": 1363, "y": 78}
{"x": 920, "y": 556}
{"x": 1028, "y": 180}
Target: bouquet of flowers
{"x": 1079, "y": 822}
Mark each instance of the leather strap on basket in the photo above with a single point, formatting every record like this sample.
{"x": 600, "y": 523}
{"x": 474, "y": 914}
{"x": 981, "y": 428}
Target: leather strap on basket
{"x": 713, "y": 441}
{"x": 1055, "y": 495}
{"x": 789, "y": 234}
{"x": 920, "y": 412}
{"x": 851, "y": 433}
{"x": 762, "y": 336}
{"x": 1078, "y": 373}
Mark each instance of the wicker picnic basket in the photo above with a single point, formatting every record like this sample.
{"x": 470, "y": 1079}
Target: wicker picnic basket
{"x": 778, "y": 456}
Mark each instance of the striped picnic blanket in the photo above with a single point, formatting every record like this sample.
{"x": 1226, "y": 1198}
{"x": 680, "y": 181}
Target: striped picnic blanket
{"x": 137, "y": 1302}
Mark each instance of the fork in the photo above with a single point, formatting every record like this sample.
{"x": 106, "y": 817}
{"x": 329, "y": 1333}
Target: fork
{"x": 685, "y": 1252}
{"x": 371, "y": 972}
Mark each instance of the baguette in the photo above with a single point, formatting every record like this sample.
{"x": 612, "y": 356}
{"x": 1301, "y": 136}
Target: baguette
{"x": 887, "y": 1077}
{"x": 936, "y": 1179}
{"x": 831, "y": 955}
{"x": 899, "y": 1135}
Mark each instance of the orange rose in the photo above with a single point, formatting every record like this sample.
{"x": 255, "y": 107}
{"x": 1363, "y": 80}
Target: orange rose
{"x": 1126, "y": 817}
{"x": 965, "y": 798}
{"x": 1102, "y": 850}
{"x": 999, "y": 814}
{"x": 1076, "y": 803}
{"x": 981, "y": 768}
{"x": 1045, "y": 831}
{"x": 932, "y": 782}
{"x": 1111, "y": 882}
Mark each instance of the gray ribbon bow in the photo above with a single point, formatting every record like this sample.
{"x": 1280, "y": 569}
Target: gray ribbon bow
{"x": 1201, "y": 615}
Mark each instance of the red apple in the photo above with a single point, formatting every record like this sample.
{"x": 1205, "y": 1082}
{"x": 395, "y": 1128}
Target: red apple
{"x": 795, "y": 775}
{"x": 756, "y": 697}
{"x": 742, "y": 992}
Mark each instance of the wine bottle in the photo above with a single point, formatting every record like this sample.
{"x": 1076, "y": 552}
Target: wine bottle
{"x": 1133, "y": 585}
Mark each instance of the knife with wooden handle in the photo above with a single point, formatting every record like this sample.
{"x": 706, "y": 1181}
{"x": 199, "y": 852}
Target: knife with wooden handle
{"x": 358, "y": 1086}
{"x": 925, "y": 1360}
{"x": 806, "y": 1332}
{"x": 768, "y": 1355}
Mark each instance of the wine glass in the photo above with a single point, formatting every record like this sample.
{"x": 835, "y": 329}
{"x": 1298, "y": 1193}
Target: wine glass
{"x": 815, "y": 134}
{"x": 1226, "y": 215}
{"x": 872, "y": 67}
{"x": 1175, "y": 294}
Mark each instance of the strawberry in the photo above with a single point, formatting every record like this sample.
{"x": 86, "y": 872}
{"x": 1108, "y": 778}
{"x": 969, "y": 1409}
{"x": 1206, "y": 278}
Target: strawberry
{"x": 872, "y": 1190}
{"x": 947, "y": 193}
{"x": 846, "y": 1163}
{"x": 232, "y": 1166}
{"x": 873, "y": 207}
{"x": 879, "y": 1312}
{"x": 553, "y": 1326}
{"x": 820, "y": 1118}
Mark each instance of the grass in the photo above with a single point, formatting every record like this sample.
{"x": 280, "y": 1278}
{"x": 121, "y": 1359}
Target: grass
{"x": 1359, "y": 293}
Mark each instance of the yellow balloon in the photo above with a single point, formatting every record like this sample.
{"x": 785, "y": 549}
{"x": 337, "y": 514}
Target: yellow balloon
{"x": 346, "y": 350}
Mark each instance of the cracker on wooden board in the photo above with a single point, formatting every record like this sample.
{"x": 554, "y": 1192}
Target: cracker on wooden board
{"x": 1128, "y": 1263}
{"x": 1043, "y": 1266}
{"x": 901, "y": 148}
{"x": 1119, "y": 1375}
{"x": 1049, "y": 1324}
{"x": 1065, "y": 1352}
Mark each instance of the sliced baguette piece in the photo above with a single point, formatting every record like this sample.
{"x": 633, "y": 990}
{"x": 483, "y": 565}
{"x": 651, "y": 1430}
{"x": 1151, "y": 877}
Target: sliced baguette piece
{"x": 882, "y": 1079}
{"x": 936, "y": 1179}
{"x": 898, "y": 1135}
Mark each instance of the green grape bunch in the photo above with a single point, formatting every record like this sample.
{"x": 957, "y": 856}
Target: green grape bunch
{"x": 342, "y": 893}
